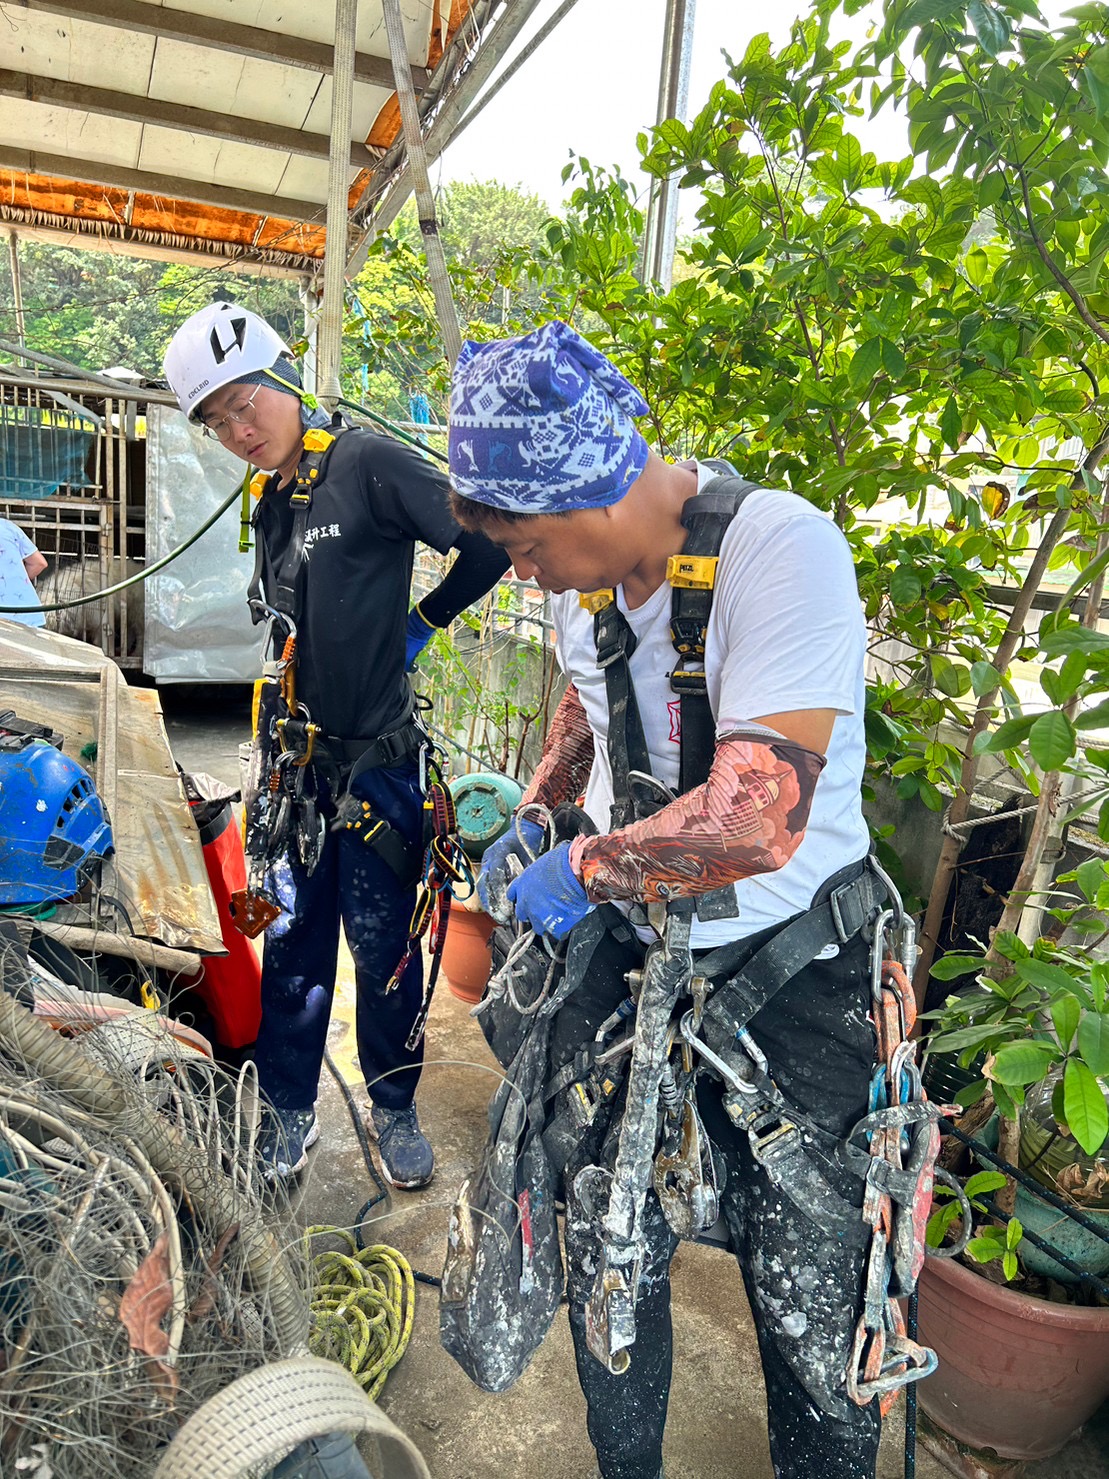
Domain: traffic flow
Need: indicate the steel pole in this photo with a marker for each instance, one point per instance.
(330, 334)
(661, 233)
(17, 289)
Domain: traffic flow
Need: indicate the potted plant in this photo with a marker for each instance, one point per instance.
(1020, 1368)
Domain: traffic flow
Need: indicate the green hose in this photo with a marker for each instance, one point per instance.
(142, 574)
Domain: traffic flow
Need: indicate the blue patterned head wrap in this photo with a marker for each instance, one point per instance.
(543, 424)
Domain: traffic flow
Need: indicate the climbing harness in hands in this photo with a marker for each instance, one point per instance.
(445, 867)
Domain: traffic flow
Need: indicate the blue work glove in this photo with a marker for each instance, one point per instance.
(522, 841)
(549, 896)
(417, 634)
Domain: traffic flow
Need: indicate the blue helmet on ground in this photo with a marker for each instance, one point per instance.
(54, 831)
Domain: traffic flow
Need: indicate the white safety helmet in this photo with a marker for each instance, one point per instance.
(217, 345)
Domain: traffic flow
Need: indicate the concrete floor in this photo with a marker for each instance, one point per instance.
(717, 1425)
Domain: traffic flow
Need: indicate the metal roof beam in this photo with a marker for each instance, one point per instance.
(202, 30)
(170, 187)
(107, 104)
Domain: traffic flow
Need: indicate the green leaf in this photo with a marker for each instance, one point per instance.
(951, 423)
(893, 361)
(905, 587)
(1065, 1013)
(1090, 876)
(1006, 736)
(984, 677)
(1085, 1107)
(954, 964)
(977, 266)
(1009, 1264)
(865, 363)
(970, 1094)
(1046, 976)
(1023, 1062)
(1094, 718)
(1093, 1042)
(1051, 740)
(991, 26)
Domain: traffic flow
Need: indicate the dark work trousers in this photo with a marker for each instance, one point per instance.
(352, 884)
(804, 1287)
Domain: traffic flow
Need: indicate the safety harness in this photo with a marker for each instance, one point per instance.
(282, 808)
(665, 1047)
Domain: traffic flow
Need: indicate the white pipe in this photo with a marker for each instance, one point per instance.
(330, 338)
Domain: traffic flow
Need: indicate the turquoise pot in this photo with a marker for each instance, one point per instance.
(484, 802)
(1083, 1248)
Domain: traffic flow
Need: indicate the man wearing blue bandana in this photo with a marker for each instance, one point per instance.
(751, 822)
(339, 513)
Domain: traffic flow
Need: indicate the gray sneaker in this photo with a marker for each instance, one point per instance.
(407, 1160)
(286, 1140)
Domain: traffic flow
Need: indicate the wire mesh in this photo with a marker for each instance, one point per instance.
(144, 1264)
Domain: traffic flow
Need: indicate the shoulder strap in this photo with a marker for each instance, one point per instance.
(285, 598)
(692, 576)
(627, 743)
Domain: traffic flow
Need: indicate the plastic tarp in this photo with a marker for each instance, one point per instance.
(42, 451)
(160, 872)
(197, 627)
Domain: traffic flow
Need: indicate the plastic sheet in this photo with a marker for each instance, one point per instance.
(56, 680)
(197, 625)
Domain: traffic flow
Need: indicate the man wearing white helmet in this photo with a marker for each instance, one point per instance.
(335, 528)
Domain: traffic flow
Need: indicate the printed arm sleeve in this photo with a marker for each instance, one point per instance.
(477, 567)
(563, 771)
(749, 817)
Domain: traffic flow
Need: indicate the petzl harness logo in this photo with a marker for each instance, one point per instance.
(220, 350)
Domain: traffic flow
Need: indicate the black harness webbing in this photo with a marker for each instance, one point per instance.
(285, 598)
(847, 902)
(342, 760)
(692, 576)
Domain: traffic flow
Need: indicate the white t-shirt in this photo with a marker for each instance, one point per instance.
(786, 632)
(15, 584)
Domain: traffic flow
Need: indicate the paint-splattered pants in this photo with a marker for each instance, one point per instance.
(804, 1288)
(354, 885)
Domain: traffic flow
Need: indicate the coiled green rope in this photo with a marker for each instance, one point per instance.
(363, 1306)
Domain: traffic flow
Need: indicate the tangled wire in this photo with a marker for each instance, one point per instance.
(143, 1266)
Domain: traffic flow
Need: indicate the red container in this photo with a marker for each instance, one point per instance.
(230, 985)
(1016, 1374)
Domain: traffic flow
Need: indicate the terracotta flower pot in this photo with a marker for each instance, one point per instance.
(1016, 1374)
(466, 959)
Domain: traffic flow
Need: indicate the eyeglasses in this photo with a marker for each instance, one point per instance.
(244, 415)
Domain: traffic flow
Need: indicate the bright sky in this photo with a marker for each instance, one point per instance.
(593, 85)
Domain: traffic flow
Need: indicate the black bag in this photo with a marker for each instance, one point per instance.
(502, 1280)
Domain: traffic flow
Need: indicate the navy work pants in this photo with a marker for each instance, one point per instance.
(356, 886)
(805, 1288)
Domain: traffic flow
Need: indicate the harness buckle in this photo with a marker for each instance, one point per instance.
(594, 601)
(852, 905)
(688, 680)
(692, 572)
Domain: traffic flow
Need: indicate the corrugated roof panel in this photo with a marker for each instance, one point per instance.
(48, 130)
(200, 77)
(368, 103)
(49, 46)
(303, 179)
(170, 152)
